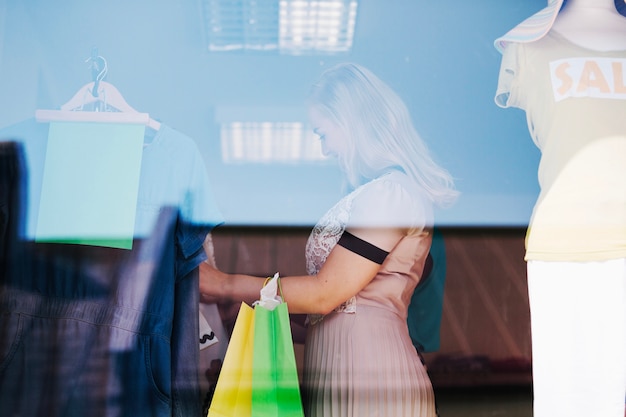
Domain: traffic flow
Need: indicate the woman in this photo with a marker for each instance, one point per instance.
(364, 257)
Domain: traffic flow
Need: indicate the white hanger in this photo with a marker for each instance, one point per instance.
(107, 103)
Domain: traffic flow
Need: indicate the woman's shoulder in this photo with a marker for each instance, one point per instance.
(396, 186)
(393, 199)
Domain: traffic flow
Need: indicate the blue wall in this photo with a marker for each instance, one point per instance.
(438, 55)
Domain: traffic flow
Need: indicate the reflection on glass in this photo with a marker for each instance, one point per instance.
(268, 142)
(317, 25)
(287, 26)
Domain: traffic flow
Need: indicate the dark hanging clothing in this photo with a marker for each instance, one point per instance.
(100, 331)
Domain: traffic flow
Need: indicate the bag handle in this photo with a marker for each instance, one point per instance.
(280, 288)
(271, 297)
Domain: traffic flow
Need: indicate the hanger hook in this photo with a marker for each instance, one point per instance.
(99, 69)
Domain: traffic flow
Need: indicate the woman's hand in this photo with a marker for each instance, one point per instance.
(213, 284)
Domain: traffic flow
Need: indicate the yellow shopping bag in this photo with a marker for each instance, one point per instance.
(233, 392)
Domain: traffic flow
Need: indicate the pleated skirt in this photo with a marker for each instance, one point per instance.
(364, 364)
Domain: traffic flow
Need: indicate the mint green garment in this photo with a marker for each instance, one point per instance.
(90, 184)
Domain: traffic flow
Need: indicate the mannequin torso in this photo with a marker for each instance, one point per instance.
(592, 24)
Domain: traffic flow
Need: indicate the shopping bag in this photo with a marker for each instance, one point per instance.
(275, 384)
(233, 391)
(259, 377)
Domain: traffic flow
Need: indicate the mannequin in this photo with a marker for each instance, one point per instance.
(592, 24)
(565, 67)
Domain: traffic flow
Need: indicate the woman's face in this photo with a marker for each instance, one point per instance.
(331, 135)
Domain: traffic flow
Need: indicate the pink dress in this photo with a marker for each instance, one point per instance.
(359, 359)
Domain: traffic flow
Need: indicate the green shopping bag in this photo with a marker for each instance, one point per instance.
(275, 384)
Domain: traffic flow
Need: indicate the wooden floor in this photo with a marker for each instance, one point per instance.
(485, 333)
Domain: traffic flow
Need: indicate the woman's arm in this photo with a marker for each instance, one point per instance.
(381, 215)
(343, 275)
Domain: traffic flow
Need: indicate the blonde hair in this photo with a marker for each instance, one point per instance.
(379, 131)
